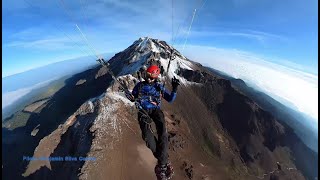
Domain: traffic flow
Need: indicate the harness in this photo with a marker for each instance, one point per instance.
(151, 98)
(145, 114)
(122, 87)
(143, 117)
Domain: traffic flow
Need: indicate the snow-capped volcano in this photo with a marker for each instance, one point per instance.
(144, 50)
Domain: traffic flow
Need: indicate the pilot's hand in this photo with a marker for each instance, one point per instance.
(175, 83)
(129, 96)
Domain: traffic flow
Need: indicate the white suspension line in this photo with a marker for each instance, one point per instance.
(183, 22)
(97, 54)
(94, 51)
(194, 13)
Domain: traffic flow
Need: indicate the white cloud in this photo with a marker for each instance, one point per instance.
(259, 36)
(59, 43)
(99, 20)
(11, 97)
(289, 86)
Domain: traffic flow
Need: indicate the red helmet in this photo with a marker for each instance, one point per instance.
(153, 71)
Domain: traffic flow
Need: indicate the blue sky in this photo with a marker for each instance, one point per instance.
(36, 33)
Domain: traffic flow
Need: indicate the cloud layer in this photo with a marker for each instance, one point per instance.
(294, 88)
(11, 97)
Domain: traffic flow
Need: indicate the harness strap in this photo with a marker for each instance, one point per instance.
(147, 123)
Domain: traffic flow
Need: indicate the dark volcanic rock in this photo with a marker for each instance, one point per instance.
(256, 132)
(288, 123)
(176, 141)
(188, 169)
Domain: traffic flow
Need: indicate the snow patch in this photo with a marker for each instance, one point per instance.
(154, 48)
(134, 65)
(143, 43)
(135, 58)
(91, 106)
(186, 64)
(187, 83)
(120, 97)
(100, 97)
(163, 47)
(107, 123)
(128, 77)
(175, 65)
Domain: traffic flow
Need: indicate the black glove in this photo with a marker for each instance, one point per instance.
(175, 84)
(161, 70)
(129, 96)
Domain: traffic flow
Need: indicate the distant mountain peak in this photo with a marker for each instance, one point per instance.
(146, 49)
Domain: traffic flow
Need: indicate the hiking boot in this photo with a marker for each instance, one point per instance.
(162, 176)
(164, 172)
(169, 171)
(160, 171)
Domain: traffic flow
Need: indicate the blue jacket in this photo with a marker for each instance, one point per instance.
(149, 95)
